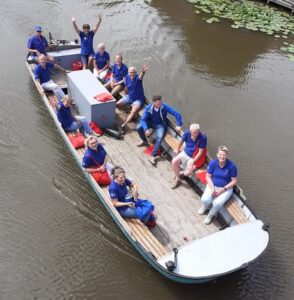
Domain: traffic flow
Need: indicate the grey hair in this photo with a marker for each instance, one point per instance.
(88, 139)
(194, 126)
(100, 45)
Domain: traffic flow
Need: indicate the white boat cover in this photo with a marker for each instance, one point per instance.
(221, 252)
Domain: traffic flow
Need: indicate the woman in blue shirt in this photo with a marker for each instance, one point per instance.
(124, 196)
(86, 36)
(221, 177)
(101, 62)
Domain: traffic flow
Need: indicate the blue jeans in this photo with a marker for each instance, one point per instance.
(159, 135)
(84, 127)
(131, 213)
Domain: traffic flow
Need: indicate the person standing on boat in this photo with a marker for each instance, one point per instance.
(68, 121)
(154, 118)
(119, 72)
(193, 156)
(101, 62)
(134, 93)
(37, 45)
(95, 161)
(221, 177)
(43, 77)
(87, 36)
(124, 196)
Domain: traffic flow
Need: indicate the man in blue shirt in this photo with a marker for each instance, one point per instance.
(221, 177)
(194, 152)
(155, 118)
(134, 93)
(43, 77)
(87, 36)
(37, 45)
(119, 72)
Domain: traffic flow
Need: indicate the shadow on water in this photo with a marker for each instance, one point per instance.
(217, 49)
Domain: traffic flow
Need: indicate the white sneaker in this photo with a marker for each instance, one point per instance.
(202, 210)
(208, 219)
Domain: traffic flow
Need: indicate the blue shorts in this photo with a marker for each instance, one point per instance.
(128, 100)
(85, 58)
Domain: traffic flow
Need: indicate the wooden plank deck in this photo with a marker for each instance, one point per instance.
(178, 221)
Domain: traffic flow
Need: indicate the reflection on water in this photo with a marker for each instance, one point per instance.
(57, 241)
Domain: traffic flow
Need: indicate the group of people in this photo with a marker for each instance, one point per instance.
(221, 174)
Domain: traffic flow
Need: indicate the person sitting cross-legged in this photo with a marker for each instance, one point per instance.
(43, 77)
(221, 177)
(195, 144)
(155, 119)
(70, 122)
(134, 93)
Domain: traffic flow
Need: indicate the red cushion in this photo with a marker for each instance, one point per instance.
(202, 176)
(102, 178)
(76, 140)
(96, 128)
(77, 65)
(202, 159)
(149, 149)
(103, 97)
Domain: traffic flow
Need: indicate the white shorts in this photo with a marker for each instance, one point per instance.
(184, 157)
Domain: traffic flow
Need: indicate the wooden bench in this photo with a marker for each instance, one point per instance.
(145, 238)
(235, 211)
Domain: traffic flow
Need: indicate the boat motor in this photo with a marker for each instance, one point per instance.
(171, 265)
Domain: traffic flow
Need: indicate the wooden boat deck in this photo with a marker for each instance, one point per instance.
(178, 221)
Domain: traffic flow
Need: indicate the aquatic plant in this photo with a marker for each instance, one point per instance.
(248, 14)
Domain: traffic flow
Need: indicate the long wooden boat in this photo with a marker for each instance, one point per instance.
(181, 247)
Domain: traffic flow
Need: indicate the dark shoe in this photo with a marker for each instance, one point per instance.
(122, 129)
(151, 224)
(143, 144)
(175, 184)
(151, 159)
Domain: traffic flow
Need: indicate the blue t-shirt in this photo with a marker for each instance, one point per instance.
(119, 192)
(135, 88)
(93, 157)
(101, 60)
(191, 145)
(119, 73)
(38, 43)
(222, 176)
(43, 74)
(87, 43)
(64, 115)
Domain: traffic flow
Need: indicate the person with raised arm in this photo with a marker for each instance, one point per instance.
(86, 36)
(37, 45)
(119, 72)
(134, 93)
(193, 156)
(43, 77)
(221, 177)
(155, 119)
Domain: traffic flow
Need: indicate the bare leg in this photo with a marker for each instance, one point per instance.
(176, 167)
(117, 89)
(135, 109)
(90, 63)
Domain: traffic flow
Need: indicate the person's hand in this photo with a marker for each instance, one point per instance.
(148, 132)
(213, 193)
(38, 53)
(145, 68)
(190, 162)
(73, 19)
(178, 129)
(42, 92)
(131, 204)
(100, 17)
(135, 195)
(102, 168)
(176, 151)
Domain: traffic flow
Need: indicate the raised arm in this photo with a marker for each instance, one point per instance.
(74, 24)
(143, 71)
(95, 28)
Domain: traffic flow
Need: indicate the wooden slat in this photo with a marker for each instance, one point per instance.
(235, 211)
(146, 238)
